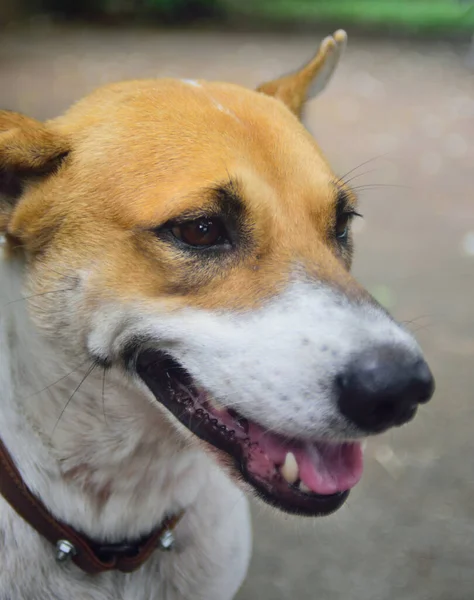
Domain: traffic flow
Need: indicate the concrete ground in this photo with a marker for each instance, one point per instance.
(407, 531)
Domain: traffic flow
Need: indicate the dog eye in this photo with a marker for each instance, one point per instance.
(201, 233)
(342, 224)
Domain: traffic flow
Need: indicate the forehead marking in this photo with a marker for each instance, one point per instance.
(225, 110)
(192, 82)
(218, 105)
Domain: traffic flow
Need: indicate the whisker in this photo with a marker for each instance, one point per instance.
(36, 295)
(181, 414)
(103, 396)
(57, 381)
(75, 278)
(381, 185)
(366, 162)
(88, 372)
(410, 321)
(347, 181)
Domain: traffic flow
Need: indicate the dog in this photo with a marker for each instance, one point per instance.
(178, 326)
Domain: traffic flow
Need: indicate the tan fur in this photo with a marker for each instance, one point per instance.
(140, 173)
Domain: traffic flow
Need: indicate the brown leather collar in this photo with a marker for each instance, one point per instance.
(91, 557)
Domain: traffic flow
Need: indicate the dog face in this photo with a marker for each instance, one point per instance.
(193, 235)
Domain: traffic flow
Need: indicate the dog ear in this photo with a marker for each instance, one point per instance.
(298, 87)
(28, 150)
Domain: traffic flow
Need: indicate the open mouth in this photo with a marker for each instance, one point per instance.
(297, 476)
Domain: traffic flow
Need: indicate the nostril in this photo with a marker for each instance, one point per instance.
(392, 412)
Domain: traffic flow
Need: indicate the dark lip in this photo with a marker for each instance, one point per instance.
(152, 366)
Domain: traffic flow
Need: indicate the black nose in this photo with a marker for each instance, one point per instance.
(382, 388)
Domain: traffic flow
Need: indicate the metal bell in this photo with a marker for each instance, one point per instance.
(64, 551)
(167, 540)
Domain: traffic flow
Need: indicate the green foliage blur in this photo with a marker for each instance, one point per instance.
(409, 15)
(412, 16)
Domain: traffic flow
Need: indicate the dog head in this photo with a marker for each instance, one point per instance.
(193, 235)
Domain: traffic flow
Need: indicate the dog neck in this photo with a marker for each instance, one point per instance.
(97, 453)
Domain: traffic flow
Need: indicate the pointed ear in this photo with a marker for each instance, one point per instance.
(298, 87)
(28, 150)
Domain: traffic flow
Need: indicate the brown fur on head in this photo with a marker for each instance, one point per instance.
(134, 156)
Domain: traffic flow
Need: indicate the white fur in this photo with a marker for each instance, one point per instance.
(147, 468)
(192, 82)
(276, 364)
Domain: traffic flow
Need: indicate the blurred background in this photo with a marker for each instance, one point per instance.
(400, 115)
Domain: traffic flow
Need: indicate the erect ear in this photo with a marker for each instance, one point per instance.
(298, 87)
(28, 150)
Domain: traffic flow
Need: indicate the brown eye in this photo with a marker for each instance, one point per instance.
(343, 222)
(342, 226)
(201, 233)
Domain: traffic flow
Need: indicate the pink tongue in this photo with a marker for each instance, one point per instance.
(324, 468)
(329, 468)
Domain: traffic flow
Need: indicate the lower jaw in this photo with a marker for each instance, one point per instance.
(306, 505)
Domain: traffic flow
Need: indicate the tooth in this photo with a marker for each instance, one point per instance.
(289, 469)
(304, 488)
